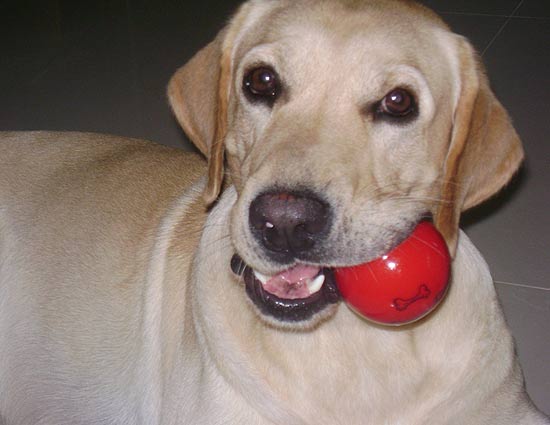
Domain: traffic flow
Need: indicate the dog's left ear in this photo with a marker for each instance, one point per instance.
(199, 93)
(485, 151)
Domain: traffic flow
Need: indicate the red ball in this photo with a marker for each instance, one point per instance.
(402, 286)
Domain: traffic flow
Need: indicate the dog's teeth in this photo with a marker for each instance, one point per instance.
(315, 284)
(262, 278)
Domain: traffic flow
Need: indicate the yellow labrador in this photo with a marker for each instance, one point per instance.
(341, 124)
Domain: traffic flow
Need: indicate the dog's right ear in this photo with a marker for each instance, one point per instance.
(199, 93)
(193, 95)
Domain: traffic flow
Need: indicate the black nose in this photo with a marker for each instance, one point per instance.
(289, 223)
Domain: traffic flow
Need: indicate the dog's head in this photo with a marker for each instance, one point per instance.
(342, 124)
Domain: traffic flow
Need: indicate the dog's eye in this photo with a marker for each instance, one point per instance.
(262, 84)
(397, 103)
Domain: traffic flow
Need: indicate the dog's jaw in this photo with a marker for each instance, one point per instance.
(301, 296)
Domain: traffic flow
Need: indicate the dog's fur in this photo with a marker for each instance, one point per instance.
(117, 301)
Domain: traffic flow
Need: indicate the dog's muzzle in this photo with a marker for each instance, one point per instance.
(290, 228)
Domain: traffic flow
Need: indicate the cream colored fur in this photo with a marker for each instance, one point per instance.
(117, 302)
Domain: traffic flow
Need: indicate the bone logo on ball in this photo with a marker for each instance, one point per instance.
(402, 286)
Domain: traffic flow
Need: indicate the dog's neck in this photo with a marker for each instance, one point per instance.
(345, 363)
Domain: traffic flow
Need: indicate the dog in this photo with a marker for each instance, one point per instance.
(133, 276)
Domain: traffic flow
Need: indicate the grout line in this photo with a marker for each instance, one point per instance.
(486, 15)
(519, 285)
(540, 18)
(502, 28)
(516, 9)
(489, 15)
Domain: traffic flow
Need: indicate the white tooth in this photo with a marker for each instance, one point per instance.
(315, 284)
(262, 278)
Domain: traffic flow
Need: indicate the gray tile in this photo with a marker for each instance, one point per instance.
(36, 32)
(513, 231)
(479, 29)
(534, 8)
(28, 42)
(101, 68)
(92, 86)
(527, 313)
(491, 7)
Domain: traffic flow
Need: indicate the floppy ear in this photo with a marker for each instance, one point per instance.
(193, 92)
(199, 94)
(485, 151)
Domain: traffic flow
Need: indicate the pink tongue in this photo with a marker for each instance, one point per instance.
(292, 283)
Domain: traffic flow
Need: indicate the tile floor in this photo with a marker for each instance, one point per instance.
(103, 65)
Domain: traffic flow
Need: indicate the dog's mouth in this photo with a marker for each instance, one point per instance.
(293, 295)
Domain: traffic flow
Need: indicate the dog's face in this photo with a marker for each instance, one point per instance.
(344, 123)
